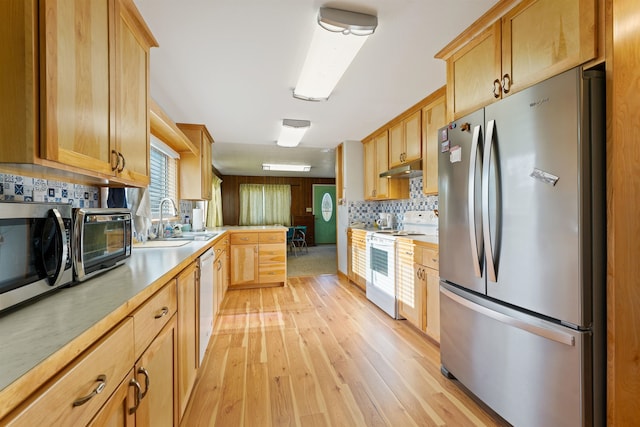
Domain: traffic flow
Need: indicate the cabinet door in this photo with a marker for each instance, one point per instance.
(472, 72)
(410, 301)
(433, 303)
(75, 97)
(543, 38)
(370, 167)
(382, 165)
(396, 145)
(158, 407)
(434, 116)
(188, 315)
(131, 98)
(412, 137)
(195, 169)
(244, 264)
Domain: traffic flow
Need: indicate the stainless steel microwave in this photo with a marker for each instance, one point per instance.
(35, 250)
(101, 240)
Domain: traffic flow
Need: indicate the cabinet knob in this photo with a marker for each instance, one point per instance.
(114, 157)
(121, 168)
(506, 83)
(496, 88)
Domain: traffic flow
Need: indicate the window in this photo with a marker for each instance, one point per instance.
(265, 204)
(164, 178)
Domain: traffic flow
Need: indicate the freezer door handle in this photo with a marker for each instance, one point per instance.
(551, 334)
(486, 232)
(472, 202)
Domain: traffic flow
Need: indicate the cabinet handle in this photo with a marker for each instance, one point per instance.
(114, 154)
(136, 395)
(163, 312)
(144, 372)
(123, 162)
(506, 83)
(102, 383)
(496, 88)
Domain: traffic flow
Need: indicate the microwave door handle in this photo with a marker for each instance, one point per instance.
(472, 201)
(486, 166)
(63, 241)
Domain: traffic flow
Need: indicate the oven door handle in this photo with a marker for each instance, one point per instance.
(62, 239)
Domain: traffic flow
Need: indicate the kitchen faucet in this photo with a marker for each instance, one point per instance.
(160, 227)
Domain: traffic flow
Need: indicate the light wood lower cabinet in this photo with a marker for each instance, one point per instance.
(258, 258)
(426, 274)
(410, 291)
(158, 363)
(221, 274)
(188, 322)
(357, 258)
(77, 393)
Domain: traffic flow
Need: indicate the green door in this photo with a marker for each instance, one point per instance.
(324, 209)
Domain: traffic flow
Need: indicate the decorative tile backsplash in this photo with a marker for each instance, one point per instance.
(367, 211)
(27, 189)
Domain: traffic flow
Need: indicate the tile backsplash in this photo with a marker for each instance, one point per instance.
(26, 189)
(367, 211)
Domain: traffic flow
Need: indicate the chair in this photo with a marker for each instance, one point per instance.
(299, 239)
(290, 245)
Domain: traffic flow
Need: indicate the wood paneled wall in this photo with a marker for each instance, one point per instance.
(301, 193)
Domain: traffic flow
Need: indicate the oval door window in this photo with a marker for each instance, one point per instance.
(327, 207)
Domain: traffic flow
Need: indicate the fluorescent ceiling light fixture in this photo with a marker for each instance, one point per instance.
(285, 167)
(337, 39)
(292, 132)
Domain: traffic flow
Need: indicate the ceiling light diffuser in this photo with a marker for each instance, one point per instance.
(285, 167)
(336, 40)
(292, 132)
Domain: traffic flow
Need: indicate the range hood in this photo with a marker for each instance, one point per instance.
(410, 170)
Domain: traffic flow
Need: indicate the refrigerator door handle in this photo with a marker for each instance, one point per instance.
(472, 201)
(486, 166)
(557, 336)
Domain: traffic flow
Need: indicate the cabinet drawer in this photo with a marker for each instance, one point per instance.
(427, 257)
(220, 247)
(272, 273)
(244, 238)
(149, 319)
(270, 253)
(273, 237)
(102, 368)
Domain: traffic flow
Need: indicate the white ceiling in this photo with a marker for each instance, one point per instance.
(232, 65)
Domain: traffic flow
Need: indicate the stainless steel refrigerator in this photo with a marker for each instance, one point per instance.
(522, 252)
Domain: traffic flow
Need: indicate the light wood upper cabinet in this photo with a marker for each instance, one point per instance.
(196, 169)
(74, 84)
(518, 47)
(472, 72)
(405, 140)
(131, 94)
(75, 96)
(543, 38)
(382, 164)
(434, 116)
(376, 160)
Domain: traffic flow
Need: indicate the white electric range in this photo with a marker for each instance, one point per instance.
(381, 254)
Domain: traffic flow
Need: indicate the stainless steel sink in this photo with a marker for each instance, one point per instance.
(192, 235)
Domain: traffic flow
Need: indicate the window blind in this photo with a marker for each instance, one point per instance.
(163, 182)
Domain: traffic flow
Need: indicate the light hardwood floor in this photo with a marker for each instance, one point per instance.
(318, 353)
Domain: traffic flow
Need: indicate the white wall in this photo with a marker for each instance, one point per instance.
(353, 189)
